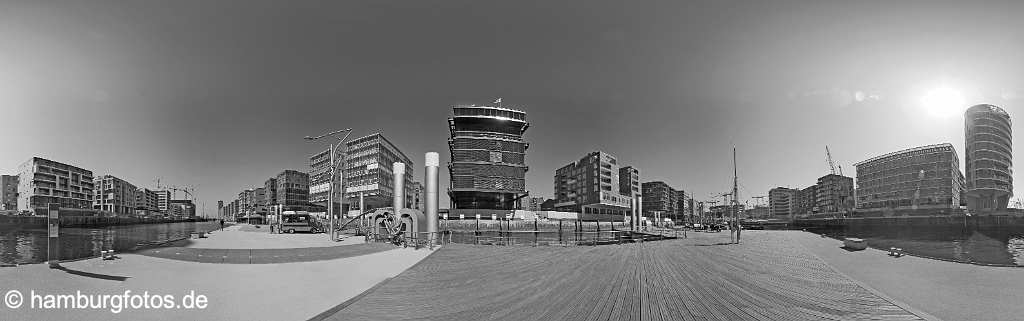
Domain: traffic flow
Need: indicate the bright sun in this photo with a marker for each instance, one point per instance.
(944, 102)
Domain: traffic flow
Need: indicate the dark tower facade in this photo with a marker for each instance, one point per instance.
(488, 157)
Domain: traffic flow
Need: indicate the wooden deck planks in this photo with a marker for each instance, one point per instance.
(664, 280)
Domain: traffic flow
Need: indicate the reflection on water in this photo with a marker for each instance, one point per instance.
(979, 245)
(21, 246)
(1016, 246)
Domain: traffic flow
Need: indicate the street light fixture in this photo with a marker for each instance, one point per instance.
(334, 169)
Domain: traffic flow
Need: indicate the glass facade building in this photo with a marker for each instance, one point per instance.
(488, 158)
(369, 164)
(917, 178)
(988, 158)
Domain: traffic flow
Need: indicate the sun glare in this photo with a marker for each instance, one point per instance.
(944, 102)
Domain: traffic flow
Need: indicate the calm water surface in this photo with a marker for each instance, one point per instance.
(1003, 246)
(19, 245)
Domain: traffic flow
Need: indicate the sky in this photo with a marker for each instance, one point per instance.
(218, 94)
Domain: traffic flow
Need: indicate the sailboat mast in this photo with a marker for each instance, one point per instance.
(735, 182)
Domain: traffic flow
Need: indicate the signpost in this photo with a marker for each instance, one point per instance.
(53, 233)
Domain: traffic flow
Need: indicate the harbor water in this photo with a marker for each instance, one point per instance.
(19, 245)
(983, 245)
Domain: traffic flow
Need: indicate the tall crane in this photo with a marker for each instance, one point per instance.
(832, 165)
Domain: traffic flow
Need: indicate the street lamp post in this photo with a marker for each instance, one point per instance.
(334, 170)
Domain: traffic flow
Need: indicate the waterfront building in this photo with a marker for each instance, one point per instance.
(661, 198)
(834, 193)
(246, 202)
(806, 200)
(368, 171)
(684, 205)
(233, 212)
(759, 211)
(417, 196)
(783, 201)
(114, 195)
(319, 177)
(183, 208)
(8, 192)
(292, 190)
(548, 205)
(147, 201)
(270, 192)
(726, 211)
(926, 177)
(629, 181)
(163, 200)
(42, 182)
(488, 158)
(591, 186)
(988, 158)
(534, 203)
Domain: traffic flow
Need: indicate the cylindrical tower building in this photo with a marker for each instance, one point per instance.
(488, 168)
(989, 181)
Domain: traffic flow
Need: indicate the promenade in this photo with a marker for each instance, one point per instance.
(699, 278)
(296, 287)
(772, 275)
(950, 290)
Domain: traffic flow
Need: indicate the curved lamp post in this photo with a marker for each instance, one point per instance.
(334, 170)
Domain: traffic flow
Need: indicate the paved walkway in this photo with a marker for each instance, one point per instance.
(244, 236)
(949, 290)
(264, 256)
(691, 279)
(244, 244)
(293, 291)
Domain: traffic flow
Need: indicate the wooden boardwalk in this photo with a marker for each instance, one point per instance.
(665, 280)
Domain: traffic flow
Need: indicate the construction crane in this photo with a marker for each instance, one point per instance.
(831, 164)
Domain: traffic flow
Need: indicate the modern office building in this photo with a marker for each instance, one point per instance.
(659, 199)
(534, 203)
(684, 205)
(629, 181)
(783, 201)
(806, 200)
(42, 182)
(926, 177)
(247, 202)
(417, 196)
(758, 211)
(369, 171)
(114, 195)
(834, 193)
(988, 158)
(146, 200)
(591, 186)
(319, 177)
(183, 209)
(163, 200)
(727, 211)
(270, 192)
(292, 190)
(8, 192)
(488, 163)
